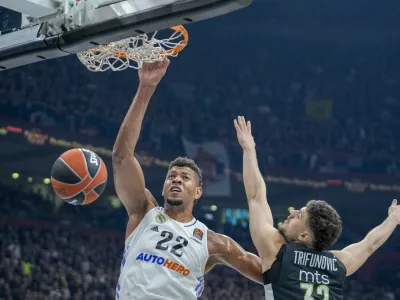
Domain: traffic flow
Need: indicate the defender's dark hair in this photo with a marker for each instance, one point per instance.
(187, 162)
(325, 224)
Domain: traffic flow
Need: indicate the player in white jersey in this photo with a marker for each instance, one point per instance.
(167, 251)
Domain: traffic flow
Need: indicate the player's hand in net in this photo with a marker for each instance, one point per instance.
(243, 132)
(150, 74)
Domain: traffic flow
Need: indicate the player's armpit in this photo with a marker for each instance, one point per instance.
(211, 263)
(353, 256)
(224, 250)
(130, 186)
(135, 219)
(266, 238)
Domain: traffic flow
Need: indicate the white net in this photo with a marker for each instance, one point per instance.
(133, 52)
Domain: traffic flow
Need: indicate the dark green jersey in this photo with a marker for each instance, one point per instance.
(301, 273)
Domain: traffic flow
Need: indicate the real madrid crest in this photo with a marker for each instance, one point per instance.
(160, 218)
(198, 234)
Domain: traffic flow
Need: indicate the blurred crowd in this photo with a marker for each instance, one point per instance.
(313, 106)
(56, 260)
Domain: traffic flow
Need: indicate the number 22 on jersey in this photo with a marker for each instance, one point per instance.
(168, 236)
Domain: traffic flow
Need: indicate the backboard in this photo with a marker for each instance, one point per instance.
(56, 28)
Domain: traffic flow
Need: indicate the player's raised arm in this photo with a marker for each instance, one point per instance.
(265, 237)
(355, 255)
(128, 175)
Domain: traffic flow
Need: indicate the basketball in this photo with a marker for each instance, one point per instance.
(79, 176)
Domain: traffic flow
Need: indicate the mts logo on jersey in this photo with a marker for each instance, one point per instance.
(315, 262)
(161, 261)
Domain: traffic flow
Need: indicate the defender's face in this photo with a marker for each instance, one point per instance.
(295, 226)
(180, 186)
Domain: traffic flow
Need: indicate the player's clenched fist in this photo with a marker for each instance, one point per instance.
(151, 73)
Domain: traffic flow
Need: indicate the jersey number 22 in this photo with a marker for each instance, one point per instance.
(168, 236)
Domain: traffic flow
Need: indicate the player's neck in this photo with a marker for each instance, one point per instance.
(179, 214)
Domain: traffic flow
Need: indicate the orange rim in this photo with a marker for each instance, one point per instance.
(178, 48)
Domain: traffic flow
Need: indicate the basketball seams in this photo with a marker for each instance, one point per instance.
(84, 159)
(94, 177)
(72, 170)
(98, 169)
(71, 184)
(86, 198)
(80, 191)
(105, 180)
(83, 189)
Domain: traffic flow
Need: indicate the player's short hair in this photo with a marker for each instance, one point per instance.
(189, 163)
(325, 224)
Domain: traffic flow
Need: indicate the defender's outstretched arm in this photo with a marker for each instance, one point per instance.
(265, 237)
(128, 175)
(355, 255)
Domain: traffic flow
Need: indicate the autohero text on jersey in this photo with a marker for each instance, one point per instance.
(314, 261)
(161, 261)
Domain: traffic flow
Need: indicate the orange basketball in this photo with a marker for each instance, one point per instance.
(79, 176)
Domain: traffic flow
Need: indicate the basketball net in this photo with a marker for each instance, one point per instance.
(133, 52)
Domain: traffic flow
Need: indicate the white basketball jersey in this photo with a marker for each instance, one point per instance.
(163, 259)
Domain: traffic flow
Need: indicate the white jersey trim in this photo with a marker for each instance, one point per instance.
(269, 293)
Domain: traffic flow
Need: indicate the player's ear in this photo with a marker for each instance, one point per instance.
(199, 192)
(304, 237)
(163, 188)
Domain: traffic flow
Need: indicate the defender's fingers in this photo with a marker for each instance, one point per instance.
(242, 122)
(235, 123)
(249, 126)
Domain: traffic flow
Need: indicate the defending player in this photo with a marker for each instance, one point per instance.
(295, 260)
(167, 251)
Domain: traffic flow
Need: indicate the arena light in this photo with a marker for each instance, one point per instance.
(209, 217)
(290, 208)
(46, 181)
(29, 179)
(15, 175)
(114, 201)
(213, 207)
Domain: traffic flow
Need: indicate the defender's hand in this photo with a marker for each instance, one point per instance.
(394, 210)
(151, 73)
(243, 131)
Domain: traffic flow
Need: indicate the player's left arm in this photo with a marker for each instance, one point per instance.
(355, 255)
(266, 238)
(224, 250)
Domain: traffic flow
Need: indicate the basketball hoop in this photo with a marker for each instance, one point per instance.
(133, 52)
